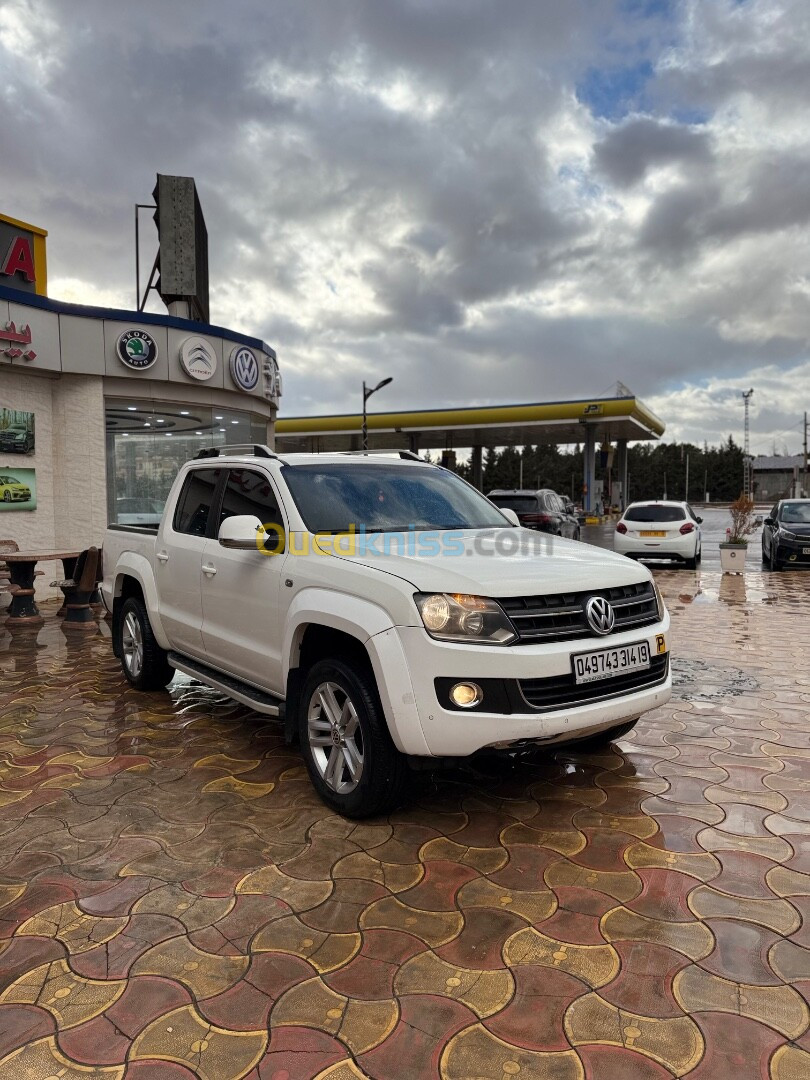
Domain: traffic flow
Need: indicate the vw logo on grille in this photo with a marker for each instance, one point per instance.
(600, 615)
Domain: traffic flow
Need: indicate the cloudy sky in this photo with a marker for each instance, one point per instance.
(507, 201)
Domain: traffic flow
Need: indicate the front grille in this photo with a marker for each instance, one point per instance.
(561, 690)
(561, 616)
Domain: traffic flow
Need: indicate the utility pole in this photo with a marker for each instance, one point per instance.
(686, 485)
(748, 486)
(805, 454)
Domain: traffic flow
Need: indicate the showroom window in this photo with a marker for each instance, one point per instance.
(148, 441)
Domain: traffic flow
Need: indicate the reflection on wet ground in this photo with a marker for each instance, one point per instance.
(175, 901)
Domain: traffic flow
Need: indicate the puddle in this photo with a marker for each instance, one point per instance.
(697, 680)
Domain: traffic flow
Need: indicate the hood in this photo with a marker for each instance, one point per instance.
(489, 562)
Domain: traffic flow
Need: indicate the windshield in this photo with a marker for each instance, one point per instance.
(653, 512)
(386, 498)
(796, 513)
(521, 504)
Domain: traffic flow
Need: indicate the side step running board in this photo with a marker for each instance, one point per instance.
(249, 695)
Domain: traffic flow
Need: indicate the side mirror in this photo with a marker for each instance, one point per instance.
(699, 520)
(243, 532)
(769, 520)
(510, 515)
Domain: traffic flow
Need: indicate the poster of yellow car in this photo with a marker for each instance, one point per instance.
(18, 489)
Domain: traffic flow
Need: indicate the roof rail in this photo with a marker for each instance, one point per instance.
(248, 449)
(406, 455)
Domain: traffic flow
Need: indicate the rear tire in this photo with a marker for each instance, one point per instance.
(349, 754)
(144, 663)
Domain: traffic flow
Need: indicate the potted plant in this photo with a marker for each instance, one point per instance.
(743, 523)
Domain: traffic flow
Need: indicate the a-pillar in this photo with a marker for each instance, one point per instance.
(621, 468)
(477, 462)
(589, 468)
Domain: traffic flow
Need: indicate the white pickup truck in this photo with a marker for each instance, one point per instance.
(386, 611)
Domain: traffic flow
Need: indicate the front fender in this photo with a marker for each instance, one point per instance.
(131, 564)
(371, 625)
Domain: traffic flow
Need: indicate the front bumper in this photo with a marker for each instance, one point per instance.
(454, 733)
(791, 552)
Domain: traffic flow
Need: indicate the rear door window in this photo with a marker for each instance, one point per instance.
(194, 503)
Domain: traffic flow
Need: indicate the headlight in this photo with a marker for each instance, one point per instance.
(662, 609)
(786, 534)
(456, 617)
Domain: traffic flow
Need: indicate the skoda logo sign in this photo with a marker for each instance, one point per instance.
(600, 615)
(198, 359)
(244, 368)
(137, 349)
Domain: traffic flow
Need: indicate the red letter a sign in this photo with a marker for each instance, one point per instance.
(20, 259)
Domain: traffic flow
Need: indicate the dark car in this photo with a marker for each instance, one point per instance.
(542, 510)
(786, 534)
(16, 438)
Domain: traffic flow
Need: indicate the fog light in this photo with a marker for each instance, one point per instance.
(466, 695)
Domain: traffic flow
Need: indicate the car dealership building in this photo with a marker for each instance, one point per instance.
(99, 407)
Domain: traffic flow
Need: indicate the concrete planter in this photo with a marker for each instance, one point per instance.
(732, 558)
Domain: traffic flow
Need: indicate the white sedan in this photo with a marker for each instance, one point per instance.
(659, 530)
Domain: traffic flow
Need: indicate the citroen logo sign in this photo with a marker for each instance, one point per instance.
(600, 615)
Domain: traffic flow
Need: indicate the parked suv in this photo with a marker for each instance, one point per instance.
(386, 611)
(543, 510)
(786, 534)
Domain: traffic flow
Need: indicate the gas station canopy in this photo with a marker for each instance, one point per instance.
(607, 419)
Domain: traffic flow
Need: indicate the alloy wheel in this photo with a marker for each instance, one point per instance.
(335, 737)
(132, 644)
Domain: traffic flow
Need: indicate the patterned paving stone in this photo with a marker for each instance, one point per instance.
(175, 902)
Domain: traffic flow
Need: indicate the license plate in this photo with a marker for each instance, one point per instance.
(805, 551)
(607, 663)
(649, 532)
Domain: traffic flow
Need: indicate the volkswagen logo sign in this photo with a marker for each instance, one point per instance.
(600, 615)
(136, 349)
(198, 359)
(244, 368)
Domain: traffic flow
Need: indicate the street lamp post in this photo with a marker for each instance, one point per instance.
(367, 392)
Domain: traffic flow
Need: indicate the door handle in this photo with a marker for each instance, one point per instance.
(163, 556)
(210, 570)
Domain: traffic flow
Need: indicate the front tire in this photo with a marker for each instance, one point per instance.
(351, 759)
(144, 663)
(773, 559)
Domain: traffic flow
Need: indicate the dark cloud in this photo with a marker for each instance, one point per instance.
(628, 152)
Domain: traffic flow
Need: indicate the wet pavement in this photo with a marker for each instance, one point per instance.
(176, 902)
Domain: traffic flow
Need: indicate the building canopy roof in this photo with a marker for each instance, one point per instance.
(489, 426)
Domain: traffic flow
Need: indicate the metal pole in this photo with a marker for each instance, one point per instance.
(137, 264)
(520, 484)
(805, 453)
(365, 424)
(686, 485)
